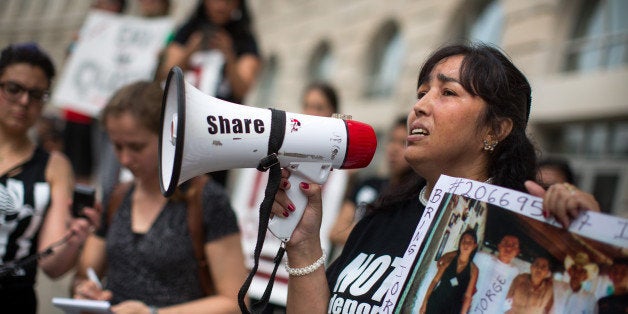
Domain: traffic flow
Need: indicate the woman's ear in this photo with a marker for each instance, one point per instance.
(503, 128)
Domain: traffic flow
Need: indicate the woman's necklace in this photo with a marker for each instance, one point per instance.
(423, 197)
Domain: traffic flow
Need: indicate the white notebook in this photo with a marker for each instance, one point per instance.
(72, 306)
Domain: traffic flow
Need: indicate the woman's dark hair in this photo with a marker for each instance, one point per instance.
(240, 26)
(29, 53)
(328, 90)
(561, 165)
(472, 234)
(486, 72)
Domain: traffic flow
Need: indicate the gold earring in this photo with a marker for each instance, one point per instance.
(489, 145)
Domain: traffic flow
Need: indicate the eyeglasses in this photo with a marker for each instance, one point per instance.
(13, 92)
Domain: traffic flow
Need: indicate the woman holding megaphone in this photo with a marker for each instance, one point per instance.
(469, 121)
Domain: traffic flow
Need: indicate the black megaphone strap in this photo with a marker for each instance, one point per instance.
(271, 163)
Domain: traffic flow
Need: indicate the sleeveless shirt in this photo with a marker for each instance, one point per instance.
(24, 200)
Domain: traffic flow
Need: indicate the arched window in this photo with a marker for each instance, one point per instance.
(480, 20)
(489, 24)
(599, 37)
(321, 63)
(267, 82)
(385, 61)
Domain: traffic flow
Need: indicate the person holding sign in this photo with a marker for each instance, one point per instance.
(148, 245)
(469, 121)
(35, 185)
(223, 27)
(218, 52)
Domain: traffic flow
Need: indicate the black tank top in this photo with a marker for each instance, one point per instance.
(24, 200)
(447, 297)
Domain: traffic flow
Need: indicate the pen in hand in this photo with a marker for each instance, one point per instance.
(91, 274)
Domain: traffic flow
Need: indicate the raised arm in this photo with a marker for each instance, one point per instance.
(59, 223)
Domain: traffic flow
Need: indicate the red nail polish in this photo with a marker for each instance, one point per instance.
(285, 213)
(285, 184)
(305, 185)
(291, 207)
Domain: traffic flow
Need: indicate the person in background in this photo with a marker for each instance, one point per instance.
(154, 8)
(572, 297)
(617, 302)
(532, 292)
(143, 247)
(367, 191)
(320, 99)
(554, 170)
(35, 185)
(469, 121)
(81, 130)
(49, 133)
(496, 275)
(222, 26)
(453, 285)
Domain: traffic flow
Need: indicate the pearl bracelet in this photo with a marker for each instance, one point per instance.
(307, 269)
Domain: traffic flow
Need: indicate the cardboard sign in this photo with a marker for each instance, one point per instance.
(112, 51)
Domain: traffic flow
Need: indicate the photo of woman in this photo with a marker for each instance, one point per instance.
(452, 288)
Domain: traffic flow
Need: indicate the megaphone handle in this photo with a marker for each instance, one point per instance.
(282, 227)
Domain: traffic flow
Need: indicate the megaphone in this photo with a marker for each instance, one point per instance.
(202, 134)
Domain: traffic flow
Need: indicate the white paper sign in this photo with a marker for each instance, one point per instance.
(112, 51)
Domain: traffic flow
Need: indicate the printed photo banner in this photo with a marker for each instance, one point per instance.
(113, 50)
(459, 205)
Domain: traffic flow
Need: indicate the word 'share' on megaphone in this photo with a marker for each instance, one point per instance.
(202, 134)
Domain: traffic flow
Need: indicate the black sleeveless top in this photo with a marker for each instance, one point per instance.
(447, 296)
(24, 201)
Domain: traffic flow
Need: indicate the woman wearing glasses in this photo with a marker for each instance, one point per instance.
(35, 186)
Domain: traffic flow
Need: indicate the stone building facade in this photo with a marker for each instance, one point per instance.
(574, 53)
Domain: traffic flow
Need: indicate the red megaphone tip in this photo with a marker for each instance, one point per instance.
(362, 143)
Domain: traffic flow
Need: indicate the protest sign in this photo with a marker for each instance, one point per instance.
(112, 50)
(493, 213)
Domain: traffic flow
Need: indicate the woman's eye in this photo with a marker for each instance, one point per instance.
(449, 92)
(420, 95)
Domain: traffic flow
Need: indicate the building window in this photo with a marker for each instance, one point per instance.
(588, 139)
(599, 38)
(321, 63)
(480, 21)
(384, 61)
(488, 27)
(599, 152)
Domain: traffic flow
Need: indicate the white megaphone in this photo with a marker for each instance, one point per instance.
(202, 134)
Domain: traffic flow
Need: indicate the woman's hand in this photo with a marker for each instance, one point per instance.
(90, 290)
(308, 229)
(563, 201)
(221, 40)
(82, 227)
(131, 307)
